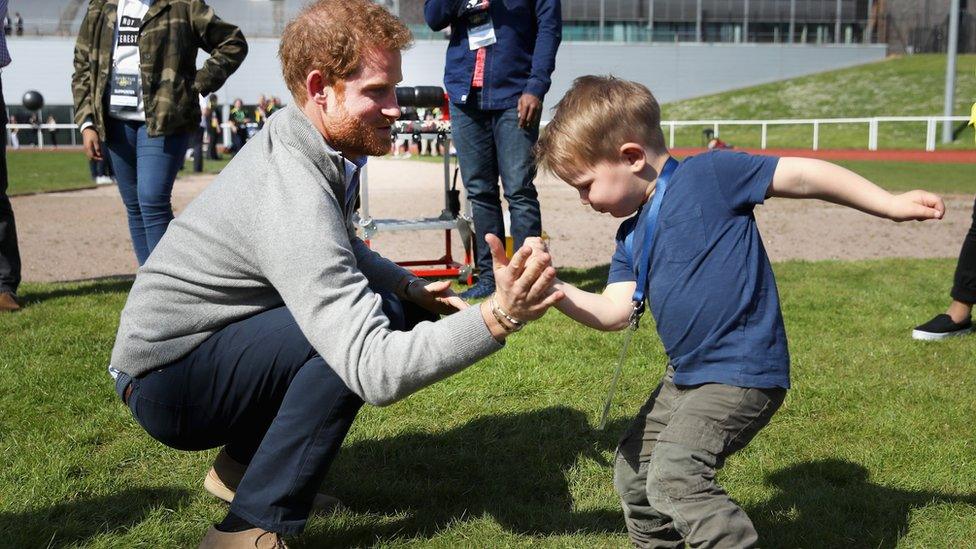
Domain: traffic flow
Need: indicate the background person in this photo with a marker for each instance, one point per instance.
(9, 252)
(499, 64)
(214, 130)
(122, 51)
(52, 132)
(238, 119)
(12, 133)
(957, 320)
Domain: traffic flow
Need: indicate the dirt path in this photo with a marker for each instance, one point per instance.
(83, 234)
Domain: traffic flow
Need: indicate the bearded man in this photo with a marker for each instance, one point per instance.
(261, 323)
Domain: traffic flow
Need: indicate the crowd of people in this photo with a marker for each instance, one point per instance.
(268, 254)
(14, 25)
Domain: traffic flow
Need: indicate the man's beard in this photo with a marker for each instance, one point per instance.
(352, 136)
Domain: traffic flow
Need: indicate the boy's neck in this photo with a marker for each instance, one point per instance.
(652, 170)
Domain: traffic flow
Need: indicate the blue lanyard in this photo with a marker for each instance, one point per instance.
(643, 265)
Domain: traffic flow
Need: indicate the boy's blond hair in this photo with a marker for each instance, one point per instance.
(596, 116)
(332, 36)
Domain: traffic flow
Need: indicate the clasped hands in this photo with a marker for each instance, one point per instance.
(523, 286)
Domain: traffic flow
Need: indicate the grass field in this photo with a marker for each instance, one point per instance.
(874, 446)
(904, 86)
(31, 171)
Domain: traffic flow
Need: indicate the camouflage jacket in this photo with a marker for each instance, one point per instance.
(171, 33)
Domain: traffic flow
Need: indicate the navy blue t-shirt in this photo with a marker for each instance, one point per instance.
(711, 287)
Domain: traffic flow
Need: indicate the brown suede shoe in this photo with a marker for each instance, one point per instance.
(248, 539)
(226, 474)
(8, 303)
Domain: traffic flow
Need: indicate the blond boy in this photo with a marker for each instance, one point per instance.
(692, 236)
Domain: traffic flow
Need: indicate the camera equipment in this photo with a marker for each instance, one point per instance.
(423, 97)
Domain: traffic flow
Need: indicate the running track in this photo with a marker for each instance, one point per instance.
(949, 157)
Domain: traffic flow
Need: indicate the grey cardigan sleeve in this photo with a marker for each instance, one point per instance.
(308, 258)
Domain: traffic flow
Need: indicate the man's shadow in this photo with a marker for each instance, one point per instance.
(73, 523)
(513, 468)
(75, 288)
(832, 503)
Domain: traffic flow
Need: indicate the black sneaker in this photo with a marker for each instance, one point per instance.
(481, 290)
(942, 327)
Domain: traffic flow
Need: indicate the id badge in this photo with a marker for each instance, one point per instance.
(124, 92)
(481, 32)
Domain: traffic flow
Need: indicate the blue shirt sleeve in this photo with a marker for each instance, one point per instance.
(743, 178)
(622, 265)
(440, 13)
(549, 21)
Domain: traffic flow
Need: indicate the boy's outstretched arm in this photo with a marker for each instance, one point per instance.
(608, 311)
(810, 178)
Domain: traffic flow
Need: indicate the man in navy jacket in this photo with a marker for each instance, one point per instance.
(499, 61)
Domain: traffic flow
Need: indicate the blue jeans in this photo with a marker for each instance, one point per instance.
(145, 168)
(258, 388)
(490, 144)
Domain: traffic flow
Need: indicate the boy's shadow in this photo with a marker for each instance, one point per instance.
(76, 522)
(512, 468)
(832, 503)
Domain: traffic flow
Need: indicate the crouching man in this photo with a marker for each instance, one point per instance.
(261, 323)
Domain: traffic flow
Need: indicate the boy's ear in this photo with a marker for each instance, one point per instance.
(634, 156)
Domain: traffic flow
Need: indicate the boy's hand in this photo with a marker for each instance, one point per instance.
(537, 244)
(522, 284)
(916, 205)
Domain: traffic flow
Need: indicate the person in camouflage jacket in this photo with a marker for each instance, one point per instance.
(169, 85)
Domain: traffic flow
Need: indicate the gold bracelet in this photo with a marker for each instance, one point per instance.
(509, 329)
(506, 320)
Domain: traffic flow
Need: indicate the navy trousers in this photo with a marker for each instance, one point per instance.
(258, 388)
(9, 252)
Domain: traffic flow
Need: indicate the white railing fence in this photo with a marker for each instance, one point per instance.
(815, 124)
(873, 126)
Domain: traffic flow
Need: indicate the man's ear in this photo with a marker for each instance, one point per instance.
(634, 156)
(317, 89)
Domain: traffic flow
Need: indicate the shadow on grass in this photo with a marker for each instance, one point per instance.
(512, 468)
(832, 503)
(75, 522)
(90, 286)
(593, 279)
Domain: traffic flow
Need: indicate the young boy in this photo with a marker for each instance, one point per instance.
(710, 288)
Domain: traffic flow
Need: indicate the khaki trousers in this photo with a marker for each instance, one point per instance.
(667, 460)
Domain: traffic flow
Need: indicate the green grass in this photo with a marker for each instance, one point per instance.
(905, 176)
(904, 86)
(874, 446)
(32, 171)
(44, 171)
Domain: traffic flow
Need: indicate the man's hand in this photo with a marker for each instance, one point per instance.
(529, 110)
(522, 285)
(93, 146)
(436, 297)
(915, 205)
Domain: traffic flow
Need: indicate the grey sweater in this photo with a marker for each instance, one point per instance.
(270, 230)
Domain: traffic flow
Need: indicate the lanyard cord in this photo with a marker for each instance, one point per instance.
(643, 263)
